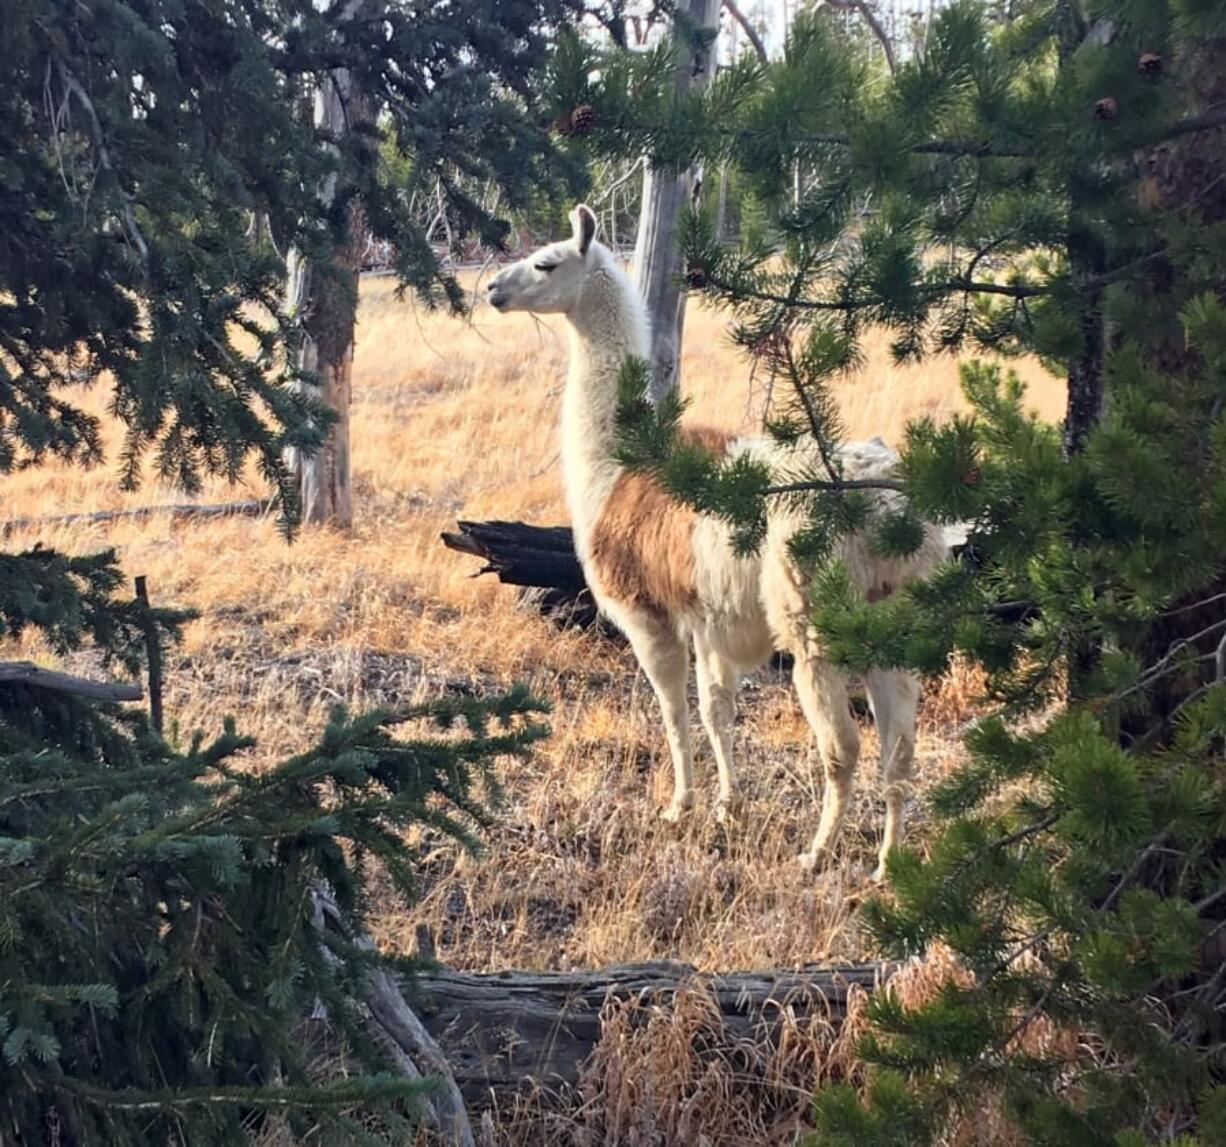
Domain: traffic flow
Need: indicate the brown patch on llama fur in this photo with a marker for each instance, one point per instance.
(641, 551)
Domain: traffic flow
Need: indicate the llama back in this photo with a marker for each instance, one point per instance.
(875, 576)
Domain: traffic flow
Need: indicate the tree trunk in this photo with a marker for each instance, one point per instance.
(323, 300)
(500, 1030)
(1183, 179)
(657, 256)
(721, 210)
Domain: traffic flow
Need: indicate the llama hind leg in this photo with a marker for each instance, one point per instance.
(823, 697)
(717, 680)
(665, 660)
(895, 699)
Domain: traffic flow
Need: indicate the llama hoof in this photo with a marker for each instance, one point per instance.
(811, 861)
(877, 876)
(676, 811)
(728, 809)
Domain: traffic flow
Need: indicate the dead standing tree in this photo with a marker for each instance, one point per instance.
(657, 254)
(322, 299)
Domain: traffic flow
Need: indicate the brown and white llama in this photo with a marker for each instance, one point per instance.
(668, 576)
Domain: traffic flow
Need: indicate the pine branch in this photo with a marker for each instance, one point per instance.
(844, 484)
(72, 84)
(1027, 831)
(1209, 120)
(1132, 872)
(953, 148)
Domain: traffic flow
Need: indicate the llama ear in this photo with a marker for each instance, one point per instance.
(583, 220)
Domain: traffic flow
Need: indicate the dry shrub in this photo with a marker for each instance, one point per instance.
(958, 695)
(670, 1072)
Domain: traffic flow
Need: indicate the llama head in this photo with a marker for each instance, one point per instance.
(550, 280)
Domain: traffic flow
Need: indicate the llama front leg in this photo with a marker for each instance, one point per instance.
(895, 700)
(665, 661)
(717, 680)
(823, 697)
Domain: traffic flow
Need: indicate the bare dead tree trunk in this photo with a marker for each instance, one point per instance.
(750, 31)
(323, 300)
(868, 13)
(657, 255)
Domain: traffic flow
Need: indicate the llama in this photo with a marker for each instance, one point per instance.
(668, 576)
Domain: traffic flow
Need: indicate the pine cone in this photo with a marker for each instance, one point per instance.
(582, 120)
(1150, 64)
(577, 121)
(1107, 108)
(972, 477)
(696, 278)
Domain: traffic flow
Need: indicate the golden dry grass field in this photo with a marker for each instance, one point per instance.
(459, 419)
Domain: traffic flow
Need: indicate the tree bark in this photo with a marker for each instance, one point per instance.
(323, 300)
(538, 559)
(1182, 178)
(500, 1030)
(657, 256)
(27, 673)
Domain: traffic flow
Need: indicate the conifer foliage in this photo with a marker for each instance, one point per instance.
(159, 955)
(1045, 184)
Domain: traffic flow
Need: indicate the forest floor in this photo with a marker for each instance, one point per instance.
(458, 419)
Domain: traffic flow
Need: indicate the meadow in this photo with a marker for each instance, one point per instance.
(458, 419)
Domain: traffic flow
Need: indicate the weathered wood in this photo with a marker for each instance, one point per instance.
(401, 1025)
(520, 554)
(249, 508)
(502, 1030)
(399, 1030)
(323, 300)
(538, 559)
(153, 653)
(657, 254)
(27, 673)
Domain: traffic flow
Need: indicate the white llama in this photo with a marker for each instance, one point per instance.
(666, 575)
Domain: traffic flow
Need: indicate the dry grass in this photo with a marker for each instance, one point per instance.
(460, 420)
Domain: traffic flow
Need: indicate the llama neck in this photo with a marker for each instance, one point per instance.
(607, 326)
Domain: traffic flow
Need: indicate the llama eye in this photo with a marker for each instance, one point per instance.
(545, 266)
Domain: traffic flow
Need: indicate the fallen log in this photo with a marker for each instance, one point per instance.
(178, 510)
(27, 673)
(502, 1030)
(540, 560)
(400, 1031)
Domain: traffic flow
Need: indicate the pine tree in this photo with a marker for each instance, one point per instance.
(1051, 185)
(158, 953)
